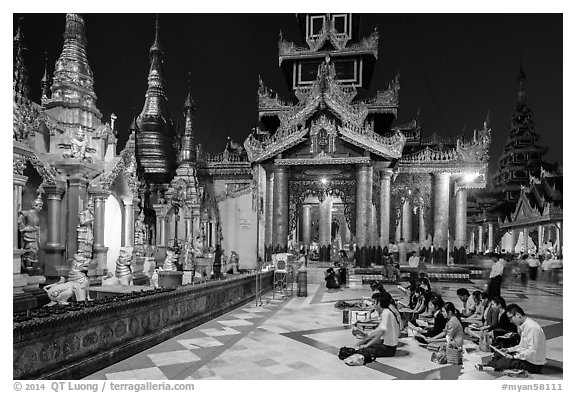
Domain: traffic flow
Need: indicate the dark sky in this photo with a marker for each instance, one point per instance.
(454, 67)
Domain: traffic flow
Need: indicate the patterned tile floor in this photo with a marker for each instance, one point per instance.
(298, 338)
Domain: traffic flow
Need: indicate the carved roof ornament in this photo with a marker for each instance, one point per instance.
(477, 149)
(49, 174)
(340, 42)
(124, 163)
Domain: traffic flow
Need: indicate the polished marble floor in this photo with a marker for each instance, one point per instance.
(298, 338)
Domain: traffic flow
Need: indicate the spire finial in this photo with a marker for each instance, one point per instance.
(521, 79)
(487, 121)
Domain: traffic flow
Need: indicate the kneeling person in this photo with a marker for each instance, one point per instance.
(382, 341)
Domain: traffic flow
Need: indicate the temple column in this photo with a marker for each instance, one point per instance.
(19, 279)
(406, 221)
(490, 237)
(214, 233)
(421, 225)
(559, 238)
(306, 224)
(525, 235)
(97, 266)
(269, 208)
(18, 181)
(345, 231)
(385, 177)
(55, 265)
(441, 209)
(128, 240)
(398, 232)
(280, 215)
(325, 226)
(76, 192)
(480, 246)
(540, 239)
(363, 201)
(188, 225)
(460, 212)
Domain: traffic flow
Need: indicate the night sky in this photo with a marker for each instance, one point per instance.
(454, 67)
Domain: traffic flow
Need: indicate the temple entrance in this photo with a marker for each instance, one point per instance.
(112, 231)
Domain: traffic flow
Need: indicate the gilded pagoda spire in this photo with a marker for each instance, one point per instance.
(20, 82)
(45, 81)
(522, 116)
(73, 83)
(187, 149)
(156, 103)
(156, 140)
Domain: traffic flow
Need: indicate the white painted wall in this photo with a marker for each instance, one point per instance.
(112, 231)
(239, 229)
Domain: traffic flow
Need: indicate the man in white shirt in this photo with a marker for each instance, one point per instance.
(383, 340)
(534, 264)
(496, 273)
(530, 354)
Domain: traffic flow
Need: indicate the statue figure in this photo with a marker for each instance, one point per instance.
(189, 254)
(85, 230)
(78, 145)
(78, 284)
(170, 261)
(123, 271)
(29, 227)
(139, 233)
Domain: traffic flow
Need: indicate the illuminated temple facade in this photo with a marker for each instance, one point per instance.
(328, 167)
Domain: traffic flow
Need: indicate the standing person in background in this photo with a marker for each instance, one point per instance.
(393, 250)
(402, 251)
(533, 264)
(495, 283)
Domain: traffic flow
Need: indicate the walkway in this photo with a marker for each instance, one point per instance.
(298, 338)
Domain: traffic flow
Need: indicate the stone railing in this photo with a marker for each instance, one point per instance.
(78, 343)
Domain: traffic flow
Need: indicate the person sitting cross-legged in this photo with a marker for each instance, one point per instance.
(529, 354)
(382, 341)
(435, 307)
(453, 331)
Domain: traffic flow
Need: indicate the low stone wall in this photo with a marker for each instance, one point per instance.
(76, 344)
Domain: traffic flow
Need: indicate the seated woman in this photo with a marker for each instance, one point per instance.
(382, 341)
(435, 306)
(330, 277)
(453, 332)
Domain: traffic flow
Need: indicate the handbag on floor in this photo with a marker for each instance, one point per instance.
(355, 360)
(346, 352)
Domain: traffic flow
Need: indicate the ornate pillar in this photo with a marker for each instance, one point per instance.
(19, 279)
(559, 238)
(128, 240)
(306, 224)
(76, 192)
(540, 239)
(363, 201)
(214, 233)
(325, 227)
(441, 209)
(346, 235)
(460, 212)
(188, 225)
(268, 239)
(55, 265)
(406, 221)
(480, 245)
(398, 231)
(372, 227)
(98, 265)
(421, 225)
(490, 237)
(385, 177)
(280, 216)
(525, 236)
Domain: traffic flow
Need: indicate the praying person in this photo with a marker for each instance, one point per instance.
(382, 341)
